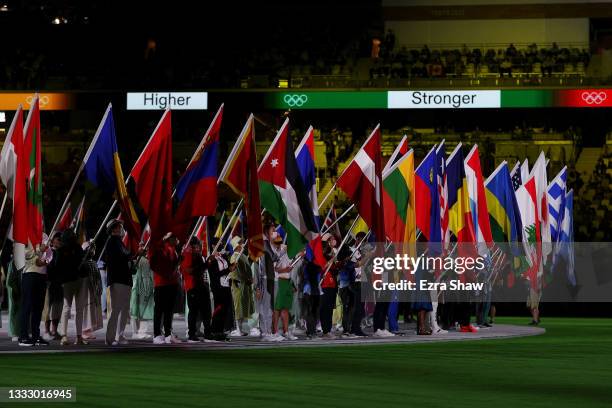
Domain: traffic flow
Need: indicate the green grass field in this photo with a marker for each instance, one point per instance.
(569, 366)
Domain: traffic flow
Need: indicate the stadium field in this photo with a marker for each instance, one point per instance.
(567, 366)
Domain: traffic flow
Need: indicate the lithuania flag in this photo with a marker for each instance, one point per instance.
(399, 200)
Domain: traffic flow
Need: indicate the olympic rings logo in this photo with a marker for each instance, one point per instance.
(295, 100)
(594, 97)
(42, 100)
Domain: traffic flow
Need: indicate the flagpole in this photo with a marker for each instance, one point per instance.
(238, 207)
(340, 246)
(129, 177)
(331, 190)
(81, 167)
(338, 219)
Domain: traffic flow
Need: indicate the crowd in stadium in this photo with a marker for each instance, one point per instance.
(435, 63)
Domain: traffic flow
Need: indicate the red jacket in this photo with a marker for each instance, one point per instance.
(164, 261)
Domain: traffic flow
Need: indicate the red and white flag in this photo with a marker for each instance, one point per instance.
(478, 199)
(362, 183)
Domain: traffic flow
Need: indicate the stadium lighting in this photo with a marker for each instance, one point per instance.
(283, 83)
(2, 117)
(4, 7)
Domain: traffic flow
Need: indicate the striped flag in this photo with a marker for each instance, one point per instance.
(556, 203)
(361, 181)
(443, 191)
(565, 247)
(305, 159)
(426, 191)
(504, 215)
(477, 197)
(283, 193)
(539, 173)
(330, 219)
(400, 150)
(399, 200)
(459, 217)
(515, 176)
(32, 151)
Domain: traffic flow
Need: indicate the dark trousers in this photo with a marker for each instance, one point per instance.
(164, 297)
(380, 315)
(346, 297)
(33, 288)
(223, 309)
(310, 309)
(357, 309)
(198, 301)
(328, 303)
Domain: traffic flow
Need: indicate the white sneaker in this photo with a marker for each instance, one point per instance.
(254, 332)
(172, 339)
(14, 339)
(379, 333)
(387, 333)
(289, 336)
(159, 340)
(299, 330)
(439, 330)
(123, 341)
(277, 337)
(47, 337)
(235, 333)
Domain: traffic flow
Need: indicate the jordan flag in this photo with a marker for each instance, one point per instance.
(362, 183)
(283, 193)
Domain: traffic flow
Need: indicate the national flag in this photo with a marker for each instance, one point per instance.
(443, 191)
(539, 173)
(525, 170)
(459, 216)
(103, 169)
(477, 197)
(526, 198)
(78, 223)
(400, 150)
(146, 234)
(196, 190)
(565, 247)
(201, 232)
(65, 220)
(515, 175)
(152, 175)
(426, 192)
(220, 226)
(14, 173)
(283, 193)
(240, 174)
(34, 193)
(556, 203)
(361, 181)
(330, 225)
(399, 200)
(305, 158)
(8, 157)
(359, 226)
(504, 214)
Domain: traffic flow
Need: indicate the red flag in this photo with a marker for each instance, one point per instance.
(362, 183)
(32, 153)
(201, 233)
(153, 176)
(66, 220)
(240, 174)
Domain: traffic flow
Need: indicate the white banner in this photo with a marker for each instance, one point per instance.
(163, 100)
(443, 99)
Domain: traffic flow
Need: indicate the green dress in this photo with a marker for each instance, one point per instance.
(141, 301)
(242, 288)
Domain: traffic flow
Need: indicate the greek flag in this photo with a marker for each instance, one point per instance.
(564, 254)
(556, 203)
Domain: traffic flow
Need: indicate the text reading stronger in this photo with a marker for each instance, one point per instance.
(455, 100)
